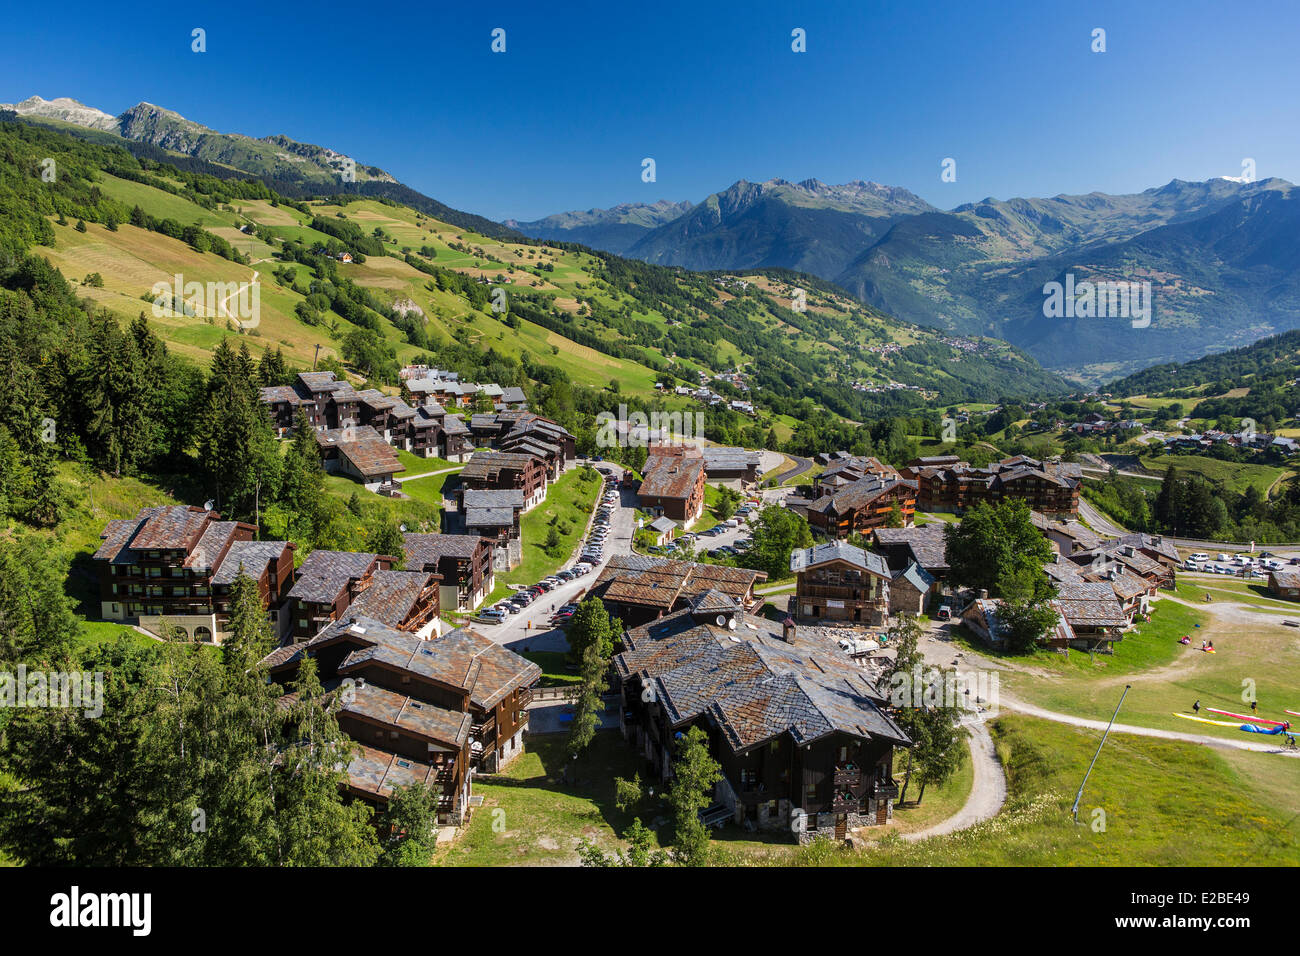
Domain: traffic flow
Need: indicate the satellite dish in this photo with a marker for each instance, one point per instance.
(401, 527)
(731, 625)
(207, 505)
(722, 621)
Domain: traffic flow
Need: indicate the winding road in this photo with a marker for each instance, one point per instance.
(988, 790)
(801, 465)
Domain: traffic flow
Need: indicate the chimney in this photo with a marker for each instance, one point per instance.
(788, 630)
(984, 594)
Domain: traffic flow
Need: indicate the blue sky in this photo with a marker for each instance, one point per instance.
(712, 91)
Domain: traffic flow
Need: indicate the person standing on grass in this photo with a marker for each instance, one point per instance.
(1196, 707)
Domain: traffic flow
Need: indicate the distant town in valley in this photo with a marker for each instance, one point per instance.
(785, 523)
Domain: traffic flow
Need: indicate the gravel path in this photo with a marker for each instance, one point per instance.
(1020, 707)
(987, 794)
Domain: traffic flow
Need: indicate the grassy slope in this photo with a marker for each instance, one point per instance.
(569, 502)
(1148, 803)
(1166, 676)
(1234, 476)
(1244, 807)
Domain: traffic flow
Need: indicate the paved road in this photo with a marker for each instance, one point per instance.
(1104, 526)
(1097, 521)
(1103, 472)
(801, 465)
(528, 629)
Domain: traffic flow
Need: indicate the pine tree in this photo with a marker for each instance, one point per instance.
(590, 703)
(411, 827)
(385, 537)
(317, 827)
(694, 774)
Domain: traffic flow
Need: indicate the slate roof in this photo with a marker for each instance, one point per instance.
(252, 556)
(916, 576)
(392, 596)
(450, 727)
(847, 470)
(193, 530)
(1083, 536)
(1287, 578)
(489, 517)
(1136, 561)
(671, 477)
(364, 447)
(513, 395)
(377, 399)
(663, 524)
(803, 559)
(453, 425)
(488, 465)
(212, 544)
(724, 458)
(272, 394)
(926, 543)
(320, 381)
(462, 659)
(862, 494)
(380, 772)
(713, 601)
(324, 574)
(659, 582)
(525, 445)
(1091, 604)
(1151, 542)
(170, 528)
(493, 498)
(755, 686)
(424, 550)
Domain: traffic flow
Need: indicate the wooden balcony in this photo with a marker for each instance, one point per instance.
(885, 790)
(847, 778)
(839, 593)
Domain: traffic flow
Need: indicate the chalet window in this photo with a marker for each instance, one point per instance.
(810, 793)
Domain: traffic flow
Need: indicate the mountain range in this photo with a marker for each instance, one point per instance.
(1221, 256)
(291, 168)
(615, 229)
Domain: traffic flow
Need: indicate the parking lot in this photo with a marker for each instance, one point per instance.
(530, 628)
(720, 536)
(1251, 567)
